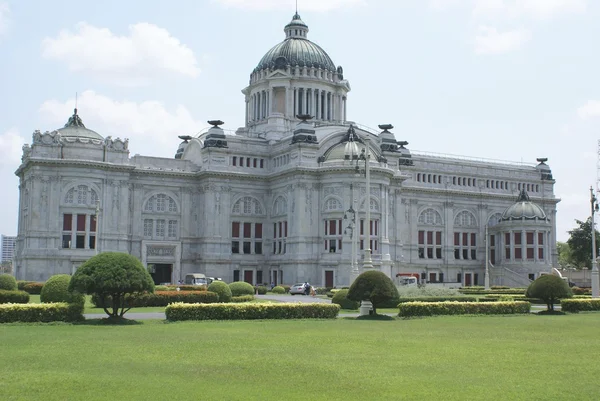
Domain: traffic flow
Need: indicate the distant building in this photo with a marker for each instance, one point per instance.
(8, 247)
(284, 199)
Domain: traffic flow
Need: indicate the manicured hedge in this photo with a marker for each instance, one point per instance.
(56, 289)
(579, 305)
(278, 290)
(8, 282)
(173, 287)
(286, 287)
(23, 283)
(260, 290)
(402, 300)
(223, 291)
(55, 312)
(411, 309)
(243, 298)
(516, 291)
(246, 311)
(13, 297)
(33, 288)
(163, 298)
(241, 288)
(340, 299)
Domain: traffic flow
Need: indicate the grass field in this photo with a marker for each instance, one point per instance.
(525, 357)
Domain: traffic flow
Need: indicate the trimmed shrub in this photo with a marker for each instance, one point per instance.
(33, 288)
(418, 292)
(243, 298)
(56, 289)
(278, 290)
(113, 274)
(8, 282)
(579, 291)
(286, 288)
(412, 309)
(550, 289)
(580, 305)
(403, 300)
(260, 289)
(161, 298)
(500, 287)
(55, 312)
(222, 290)
(241, 288)
(13, 297)
(251, 311)
(340, 299)
(373, 286)
(22, 283)
(322, 290)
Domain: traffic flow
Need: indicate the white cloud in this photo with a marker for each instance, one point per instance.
(150, 126)
(125, 60)
(490, 41)
(4, 17)
(538, 9)
(441, 5)
(590, 110)
(10, 148)
(305, 5)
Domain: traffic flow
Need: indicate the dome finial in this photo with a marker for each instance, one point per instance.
(523, 196)
(74, 120)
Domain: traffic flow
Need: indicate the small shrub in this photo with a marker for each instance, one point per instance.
(250, 311)
(578, 290)
(56, 289)
(8, 282)
(550, 289)
(243, 298)
(22, 283)
(33, 288)
(222, 290)
(419, 292)
(374, 286)
(55, 312)
(459, 298)
(278, 290)
(322, 290)
(340, 299)
(241, 288)
(13, 297)
(500, 287)
(286, 288)
(412, 309)
(260, 289)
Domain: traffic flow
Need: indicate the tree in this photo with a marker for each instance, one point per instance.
(580, 243)
(549, 288)
(6, 267)
(112, 276)
(56, 289)
(373, 286)
(564, 254)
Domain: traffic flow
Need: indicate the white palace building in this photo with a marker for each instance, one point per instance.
(285, 199)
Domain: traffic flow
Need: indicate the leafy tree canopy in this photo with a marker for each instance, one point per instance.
(374, 286)
(112, 276)
(580, 244)
(549, 288)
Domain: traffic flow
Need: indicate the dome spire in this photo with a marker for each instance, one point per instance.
(296, 28)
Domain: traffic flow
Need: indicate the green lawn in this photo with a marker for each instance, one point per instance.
(524, 357)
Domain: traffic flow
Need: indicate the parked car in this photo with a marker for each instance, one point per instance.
(298, 289)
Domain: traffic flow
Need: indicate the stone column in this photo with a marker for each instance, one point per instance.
(295, 103)
(536, 253)
(326, 111)
(246, 110)
(512, 246)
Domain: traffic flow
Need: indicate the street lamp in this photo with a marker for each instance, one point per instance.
(97, 226)
(487, 260)
(595, 276)
(350, 230)
(365, 156)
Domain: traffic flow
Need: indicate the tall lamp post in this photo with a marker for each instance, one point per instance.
(350, 215)
(487, 260)
(97, 226)
(367, 262)
(595, 276)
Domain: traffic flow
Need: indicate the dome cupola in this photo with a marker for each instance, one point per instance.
(74, 128)
(524, 209)
(296, 28)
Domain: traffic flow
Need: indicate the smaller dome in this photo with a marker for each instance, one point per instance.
(524, 209)
(74, 128)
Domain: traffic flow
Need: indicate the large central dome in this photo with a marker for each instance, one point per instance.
(296, 49)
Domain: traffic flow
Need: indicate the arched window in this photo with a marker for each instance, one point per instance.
(161, 203)
(280, 206)
(373, 205)
(465, 219)
(247, 205)
(494, 219)
(333, 204)
(430, 217)
(81, 195)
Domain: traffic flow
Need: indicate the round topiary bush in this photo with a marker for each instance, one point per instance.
(549, 288)
(222, 290)
(374, 286)
(278, 290)
(56, 289)
(8, 282)
(241, 288)
(260, 289)
(344, 303)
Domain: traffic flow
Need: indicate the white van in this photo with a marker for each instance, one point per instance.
(195, 279)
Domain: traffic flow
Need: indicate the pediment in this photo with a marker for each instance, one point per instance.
(278, 74)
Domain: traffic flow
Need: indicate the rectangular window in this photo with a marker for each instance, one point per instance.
(247, 230)
(473, 254)
(258, 248)
(235, 229)
(438, 253)
(507, 238)
(67, 222)
(247, 247)
(465, 254)
(429, 253)
(81, 222)
(518, 239)
(429, 237)
(148, 227)
(285, 225)
(93, 223)
(541, 253)
(518, 254)
(540, 238)
(465, 239)
(236, 275)
(234, 160)
(493, 256)
(66, 240)
(172, 229)
(80, 241)
(529, 253)
(258, 230)
(529, 235)
(160, 228)
(262, 164)
(254, 163)
(507, 253)
(456, 253)
(473, 239)
(421, 237)
(456, 239)
(92, 242)
(235, 247)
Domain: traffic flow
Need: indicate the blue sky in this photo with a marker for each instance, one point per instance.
(499, 79)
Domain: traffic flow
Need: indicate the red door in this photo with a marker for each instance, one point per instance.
(275, 277)
(249, 276)
(432, 278)
(467, 279)
(329, 278)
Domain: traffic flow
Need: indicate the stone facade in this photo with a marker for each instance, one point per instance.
(284, 200)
